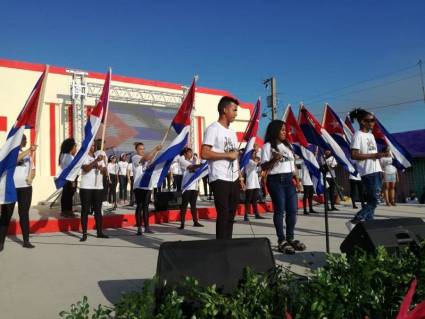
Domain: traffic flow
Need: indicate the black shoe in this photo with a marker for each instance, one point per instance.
(197, 224)
(149, 231)
(312, 211)
(334, 209)
(259, 217)
(102, 235)
(1, 247)
(181, 226)
(27, 244)
(246, 219)
(355, 207)
(84, 238)
(306, 213)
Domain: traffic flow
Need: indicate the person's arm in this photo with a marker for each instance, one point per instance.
(95, 164)
(356, 155)
(30, 151)
(208, 154)
(268, 165)
(151, 154)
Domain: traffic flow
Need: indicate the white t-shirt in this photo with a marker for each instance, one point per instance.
(251, 172)
(387, 165)
(130, 169)
(221, 140)
(184, 164)
(366, 144)
(65, 159)
(331, 163)
(122, 168)
(94, 178)
(305, 176)
(176, 167)
(138, 169)
(285, 165)
(113, 168)
(22, 172)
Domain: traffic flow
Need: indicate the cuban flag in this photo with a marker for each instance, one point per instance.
(156, 172)
(349, 125)
(9, 152)
(301, 147)
(199, 173)
(250, 135)
(96, 118)
(401, 157)
(317, 135)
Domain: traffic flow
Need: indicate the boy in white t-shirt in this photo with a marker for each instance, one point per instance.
(365, 151)
(220, 149)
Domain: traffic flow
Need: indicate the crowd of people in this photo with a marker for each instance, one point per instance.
(272, 169)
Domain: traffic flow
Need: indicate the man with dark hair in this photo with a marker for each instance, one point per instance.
(219, 148)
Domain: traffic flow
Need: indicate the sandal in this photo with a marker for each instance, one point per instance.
(297, 245)
(286, 248)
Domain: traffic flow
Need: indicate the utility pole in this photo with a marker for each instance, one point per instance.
(271, 99)
(422, 78)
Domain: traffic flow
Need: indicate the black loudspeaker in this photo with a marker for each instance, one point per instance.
(167, 200)
(219, 261)
(390, 233)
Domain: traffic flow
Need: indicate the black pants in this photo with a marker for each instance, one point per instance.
(308, 195)
(105, 190)
(68, 192)
(189, 196)
(205, 181)
(143, 197)
(226, 199)
(91, 199)
(24, 203)
(331, 192)
(251, 198)
(357, 185)
(112, 189)
(123, 186)
(131, 190)
(178, 182)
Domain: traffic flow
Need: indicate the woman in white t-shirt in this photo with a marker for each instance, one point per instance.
(252, 185)
(142, 195)
(23, 176)
(188, 167)
(365, 151)
(67, 153)
(113, 180)
(279, 160)
(390, 177)
(130, 178)
(122, 176)
(91, 191)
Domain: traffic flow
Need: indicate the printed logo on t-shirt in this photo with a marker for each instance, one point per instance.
(371, 145)
(228, 145)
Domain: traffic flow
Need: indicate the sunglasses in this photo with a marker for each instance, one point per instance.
(369, 120)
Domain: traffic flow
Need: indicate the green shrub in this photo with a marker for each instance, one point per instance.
(365, 285)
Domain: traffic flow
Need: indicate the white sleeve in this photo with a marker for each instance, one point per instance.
(210, 136)
(355, 144)
(184, 164)
(265, 153)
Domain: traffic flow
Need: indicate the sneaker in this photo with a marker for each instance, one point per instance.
(148, 231)
(84, 238)
(106, 204)
(259, 217)
(306, 213)
(102, 235)
(312, 211)
(197, 224)
(27, 244)
(334, 209)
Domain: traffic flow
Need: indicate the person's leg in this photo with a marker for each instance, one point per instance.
(146, 197)
(221, 190)
(114, 189)
(290, 194)
(310, 193)
(97, 207)
(332, 194)
(234, 198)
(248, 199)
(5, 217)
(192, 200)
(66, 198)
(179, 179)
(361, 193)
(352, 192)
(376, 185)
(105, 188)
(138, 194)
(276, 191)
(386, 195)
(183, 208)
(305, 197)
(254, 201)
(131, 191)
(125, 182)
(205, 183)
(85, 198)
(391, 193)
(24, 204)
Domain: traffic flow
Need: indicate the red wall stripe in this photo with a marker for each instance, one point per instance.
(70, 121)
(3, 123)
(52, 135)
(200, 137)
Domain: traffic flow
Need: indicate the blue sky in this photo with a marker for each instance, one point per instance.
(313, 48)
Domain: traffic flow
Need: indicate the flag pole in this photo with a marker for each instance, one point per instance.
(247, 126)
(102, 145)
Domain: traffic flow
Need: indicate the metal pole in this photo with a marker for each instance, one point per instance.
(422, 78)
(274, 101)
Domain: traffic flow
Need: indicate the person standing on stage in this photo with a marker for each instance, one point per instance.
(67, 153)
(106, 180)
(390, 178)
(113, 180)
(279, 161)
(308, 190)
(188, 166)
(252, 185)
(122, 178)
(130, 177)
(91, 191)
(220, 149)
(23, 177)
(143, 195)
(364, 150)
(330, 164)
(177, 174)
(356, 185)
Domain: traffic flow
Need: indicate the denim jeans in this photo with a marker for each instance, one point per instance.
(284, 198)
(372, 184)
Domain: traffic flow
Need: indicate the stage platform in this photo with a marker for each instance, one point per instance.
(44, 219)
